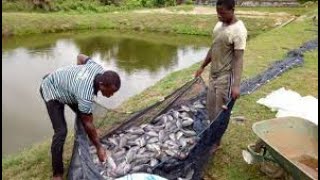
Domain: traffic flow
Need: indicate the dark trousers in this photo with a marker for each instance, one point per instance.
(56, 113)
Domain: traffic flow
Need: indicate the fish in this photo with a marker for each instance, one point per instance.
(130, 154)
(176, 114)
(122, 169)
(152, 133)
(113, 141)
(183, 142)
(154, 162)
(161, 135)
(141, 150)
(153, 147)
(119, 153)
(131, 137)
(110, 163)
(179, 134)
(184, 115)
(198, 105)
(188, 132)
(143, 160)
(187, 122)
(179, 123)
(170, 152)
(122, 142)
(182, 156)
(146, 154)
(153, 140)
(170, 118)
(168, 137)
(135, 130)
(172, 137)
(184, 108)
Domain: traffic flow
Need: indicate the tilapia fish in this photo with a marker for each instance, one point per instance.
(141, 148)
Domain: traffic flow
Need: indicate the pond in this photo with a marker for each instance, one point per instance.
(141, 59)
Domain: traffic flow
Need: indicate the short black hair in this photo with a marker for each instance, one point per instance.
(229, 4)
(111, 78)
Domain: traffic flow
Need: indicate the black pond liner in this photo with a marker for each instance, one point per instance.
(82, 166)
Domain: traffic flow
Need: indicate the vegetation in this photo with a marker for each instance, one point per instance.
(95, 6)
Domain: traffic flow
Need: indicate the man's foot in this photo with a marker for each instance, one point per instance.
(57, 177)
(215, 148)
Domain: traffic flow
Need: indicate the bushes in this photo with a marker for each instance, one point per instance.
(81, 5)
(16, 6)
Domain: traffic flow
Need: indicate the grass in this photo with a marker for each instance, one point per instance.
(297, 11)
(22, 23)
(69, 6)
(34, 162)
(181, 8)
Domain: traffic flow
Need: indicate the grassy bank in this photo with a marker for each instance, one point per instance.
(34, 163)
(31, 23)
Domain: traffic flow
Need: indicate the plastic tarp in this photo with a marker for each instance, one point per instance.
(291, 103)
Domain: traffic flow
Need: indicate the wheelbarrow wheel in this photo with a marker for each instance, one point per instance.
(272, 170)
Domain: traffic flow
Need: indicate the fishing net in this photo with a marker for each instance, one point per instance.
(82, 165)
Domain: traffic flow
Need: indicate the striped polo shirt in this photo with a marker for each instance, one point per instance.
(72, 85)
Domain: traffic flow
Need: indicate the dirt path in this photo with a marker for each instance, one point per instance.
(212, 10)
(279, 17)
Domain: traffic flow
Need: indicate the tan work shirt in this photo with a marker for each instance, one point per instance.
(225, 40)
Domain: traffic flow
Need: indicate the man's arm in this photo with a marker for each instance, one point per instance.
(87, 121)
(237, 71)
(206, 61)
(82, 59)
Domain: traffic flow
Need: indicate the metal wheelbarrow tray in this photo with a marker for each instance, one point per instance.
(293, 143)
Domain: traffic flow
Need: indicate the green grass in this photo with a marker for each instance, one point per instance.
(34, 163)
(181, 8)
(69, 6)
(297, 11)
(21, 23)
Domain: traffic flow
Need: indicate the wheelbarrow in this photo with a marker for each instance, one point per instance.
(289, 144)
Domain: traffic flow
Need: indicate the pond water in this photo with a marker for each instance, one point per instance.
(141, 59)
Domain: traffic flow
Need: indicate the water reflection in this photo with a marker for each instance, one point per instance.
(131, 55)
(140, 59)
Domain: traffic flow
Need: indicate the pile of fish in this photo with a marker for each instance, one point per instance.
(140, 148)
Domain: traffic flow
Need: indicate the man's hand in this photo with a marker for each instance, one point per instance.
(81, 59)
(199, 72)
(235, 92)
(102, 154)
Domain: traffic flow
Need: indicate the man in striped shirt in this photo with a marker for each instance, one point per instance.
(75, 86)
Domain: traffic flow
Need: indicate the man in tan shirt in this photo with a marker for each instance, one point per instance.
(226, 58)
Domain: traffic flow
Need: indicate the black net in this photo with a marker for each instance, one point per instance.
(171, 138)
